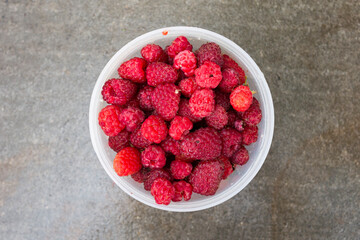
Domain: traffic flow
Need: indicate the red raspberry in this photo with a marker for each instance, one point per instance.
(163, 191)
(182, 190)
(202, 102)
(170, 145)
(133, 69)
(109, 120)
(179, 44)
(155, 174)
(119, 141)
(250, 135)
(206, 177)
(241, 156)
(153, 53)
(166, 99)
(223, 99)
(209, 52)
(208, 75)
(188, 86)
(218, 118)
(230, 80)
(184, 110)
(159, 72)
(144, 97)
(141, 175)
(231, 117)
(118, 91)
(138, 140)
(230, 63)
(255, 102)
(179, 127)
(231, 141)
(154, 129)
(241, 98)
(203, 144)
(253, 115)
(228, 168)
(179, 169)
(127, 161)
(186, 61)
(239, 125)
(133, 103)
(153, 157)
(132, 118)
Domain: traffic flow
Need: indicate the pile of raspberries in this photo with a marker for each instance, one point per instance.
(179, 119)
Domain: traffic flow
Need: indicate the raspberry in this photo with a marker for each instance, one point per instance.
(203, 144)
(231, 141)
(250, 135)
(208, 75)
(132, 118)
(230, 80)
(228, 168)
(144, 97)
(230, 63)
(186, 61)
(154, 129)
(241, 156)
(255, 102)
(179, 127)
(241, 98)
(202, 103)
(155, 174)
(170, 145)
(179, 44)
(138, 140)
(253, 115)
(153, 53)
(133, 69)
(179, 169)
(239, 125)
(209, 52)
(133, 103)
(206, 177)
(119, 141)
(182, 190)
(165, 99)
(118, 91)
(223, 99)
(158, 73)
(231, 117)
(218, 118)
(153, 157)
(184, 110)
(188, 86)
(109, 120)
(127, 161)
(141, 175)
(163, 191)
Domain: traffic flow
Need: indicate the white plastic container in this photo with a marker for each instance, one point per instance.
(258, 151)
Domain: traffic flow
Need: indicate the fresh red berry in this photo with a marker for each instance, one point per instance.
(132, 118)
(230, 80)
(118, 91)
(163, 191)
(171, 145)
(159, 72)
(231, 141)
(241, 156)
(144, 97)
(252, 116)
(155, 174)
(137, 139)
(179, 127)
(182, 190)
(222, 99)
(188, 86)
(202, 103)
(180, 169)
(154, 129)
(186, 61)
(109, 120)
(230, 63)
(120, 141)
(127, 161)
(218, 118)
(166, 99)
(133, 69)
(208, 75)
(179, 44)
(153, 53)
(228, 168)
(241, 98)
(153, 157)
(209, 52)
(184, 110)
(250, 135)
(239, 125)
(141, 175)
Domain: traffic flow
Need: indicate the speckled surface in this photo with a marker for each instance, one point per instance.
(53, 186)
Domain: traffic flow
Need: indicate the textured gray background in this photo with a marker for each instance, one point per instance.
(52, 185)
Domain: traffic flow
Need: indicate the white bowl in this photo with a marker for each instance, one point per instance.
(258, 151)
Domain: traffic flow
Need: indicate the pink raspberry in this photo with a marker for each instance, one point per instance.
(141, 175)
(241, 156)
(252, 116)
(222, 99)
(206, 177)
(184, 110)
(179, 169)
(228, 168)
(163, 191)
(203, 144)
(159, 72)
(208, 75)
(170, 145)
(138, 140)
(109, 120)
(209, 52)
(166, 99)
(230, 63)
(132, 118)
(153, 157)
(239, 125)
(182, 190)
(230, 80)
(202, 103)
(118, 91)
(178, 45)
(231, 141)
(241, 98)
(155, 174)
(133, 69)
(144, 97)
(120, 141)
(154, 129)
(186, 61)
(250, 135)
(231, 117)
(153, 53)
(179, 127)
(218, 118)
(188, 86)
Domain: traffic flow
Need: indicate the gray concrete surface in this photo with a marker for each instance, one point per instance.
(52, 185)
